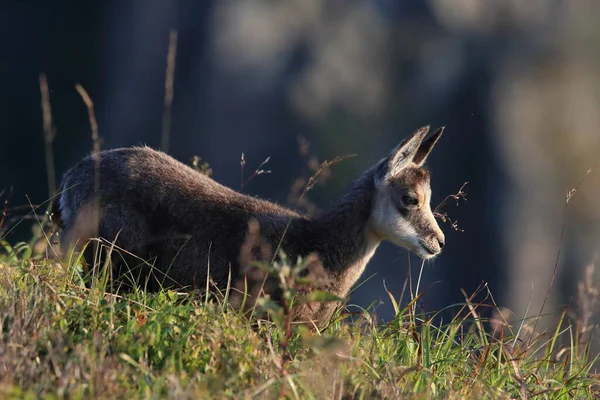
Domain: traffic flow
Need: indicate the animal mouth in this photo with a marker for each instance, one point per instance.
(428, 249)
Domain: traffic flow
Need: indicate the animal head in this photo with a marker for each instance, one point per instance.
(401, 210)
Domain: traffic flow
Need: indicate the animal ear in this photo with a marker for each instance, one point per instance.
(406, 151)
(426, 146)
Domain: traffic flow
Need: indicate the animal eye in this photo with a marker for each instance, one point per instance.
(410, 200)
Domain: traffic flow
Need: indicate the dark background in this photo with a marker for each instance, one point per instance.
(515, 83)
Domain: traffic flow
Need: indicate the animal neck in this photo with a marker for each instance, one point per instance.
(342, 237)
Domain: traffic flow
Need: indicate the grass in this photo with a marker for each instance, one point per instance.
(64, 336)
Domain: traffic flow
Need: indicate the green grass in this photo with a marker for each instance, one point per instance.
(62, 338)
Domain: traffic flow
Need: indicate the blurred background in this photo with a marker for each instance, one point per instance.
(516, 83)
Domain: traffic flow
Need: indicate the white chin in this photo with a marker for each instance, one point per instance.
(417, 249)
(424, 253)
(427, 256)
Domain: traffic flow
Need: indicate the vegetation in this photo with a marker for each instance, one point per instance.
(65, 336)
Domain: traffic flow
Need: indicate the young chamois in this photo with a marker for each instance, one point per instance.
(188, 226)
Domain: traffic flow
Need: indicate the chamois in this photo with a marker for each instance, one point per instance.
(189, 228)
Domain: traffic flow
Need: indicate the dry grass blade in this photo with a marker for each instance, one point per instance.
(258, 171)
(202, 167)
(49, 133)
(473, 311)
(570, 195)
(169, 91)
(460, 195)
(588, 297)
(517, 373)
(89, 104)
(296, 196)
(324, 166)
(311, 183)
(4, 209)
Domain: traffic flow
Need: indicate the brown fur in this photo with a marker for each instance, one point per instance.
(186, 224)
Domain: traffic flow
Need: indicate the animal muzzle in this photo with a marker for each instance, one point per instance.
(433, 243)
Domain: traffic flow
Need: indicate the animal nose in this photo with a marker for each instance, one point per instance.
(441, 242)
